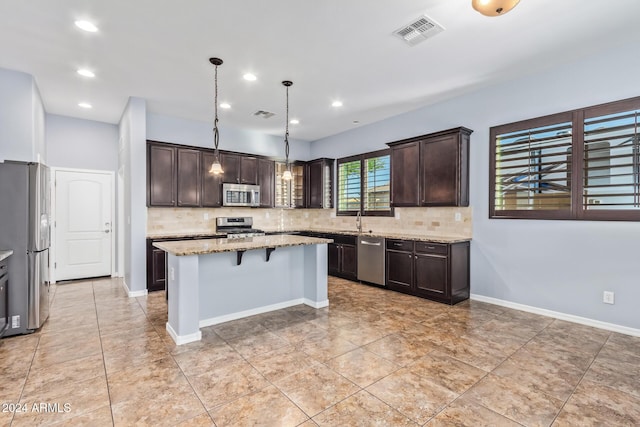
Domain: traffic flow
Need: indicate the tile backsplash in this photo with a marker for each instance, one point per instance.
(407, 221)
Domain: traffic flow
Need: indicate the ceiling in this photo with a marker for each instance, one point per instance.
(331, 49)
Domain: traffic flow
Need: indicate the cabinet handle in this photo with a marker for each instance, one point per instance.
(416, 256)
(409, 256)
(431, 247)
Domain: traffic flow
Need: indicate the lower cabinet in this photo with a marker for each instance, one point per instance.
(430, 270)
(343, 256)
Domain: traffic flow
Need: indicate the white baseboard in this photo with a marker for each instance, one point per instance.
(183, 339)
(239, 315)
(558, 315)
(316, 304)
(133, 294)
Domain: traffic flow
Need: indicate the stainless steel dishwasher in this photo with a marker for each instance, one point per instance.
(371, 260)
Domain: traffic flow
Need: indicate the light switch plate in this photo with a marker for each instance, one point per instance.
(608, 297)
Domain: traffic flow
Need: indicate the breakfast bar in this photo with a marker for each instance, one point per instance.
(217, 280)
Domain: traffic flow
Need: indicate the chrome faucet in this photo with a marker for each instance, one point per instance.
(359, 222)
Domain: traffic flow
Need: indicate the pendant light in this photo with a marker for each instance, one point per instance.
(216, 167)
(286, 175)
(494, 7)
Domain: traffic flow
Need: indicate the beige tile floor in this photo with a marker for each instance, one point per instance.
(373, 358)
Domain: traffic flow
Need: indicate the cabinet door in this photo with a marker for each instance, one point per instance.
(440, 161)
(231, 167)
(315, 184)
(159, 269)
(349, 261)
(405, 174)
(431, 275)
(266, 179)
(161, 175)
(188, 177)
(248, 170)
(211, 184)
(297, 186)
(399, 271)
(333, 257)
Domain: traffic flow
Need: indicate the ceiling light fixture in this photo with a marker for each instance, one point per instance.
(216, 167)
(86, 26)
(84, 105)
(286, 175)
(294, 121)
(225, 105)
(494, 7)
(250, 77)
(86, 73)
(336, 104)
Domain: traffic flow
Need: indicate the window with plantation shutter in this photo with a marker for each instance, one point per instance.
(364, 184)
(582, 164)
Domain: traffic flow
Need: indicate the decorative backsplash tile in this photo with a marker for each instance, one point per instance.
(411, 221)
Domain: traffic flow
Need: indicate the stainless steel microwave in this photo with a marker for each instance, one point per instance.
(240, 195)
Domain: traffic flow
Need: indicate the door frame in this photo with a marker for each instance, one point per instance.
(114, 221)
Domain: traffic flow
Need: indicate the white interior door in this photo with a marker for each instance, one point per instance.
(83, 227)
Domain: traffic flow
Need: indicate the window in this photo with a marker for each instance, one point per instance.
(364, 184)
(582, 164)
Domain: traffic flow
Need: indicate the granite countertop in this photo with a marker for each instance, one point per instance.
(5, 254)
(418, 237)
(209, 246)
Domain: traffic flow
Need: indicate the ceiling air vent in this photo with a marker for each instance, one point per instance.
(418, 30)
(264, 114)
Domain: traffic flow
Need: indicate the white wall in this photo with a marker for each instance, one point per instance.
(562, 266)
(132, 160)
(22, 122)
(200, 134)
(81, 144)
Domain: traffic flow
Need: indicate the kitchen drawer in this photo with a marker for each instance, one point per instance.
(400, 245)
(432, 248)
(342, 239)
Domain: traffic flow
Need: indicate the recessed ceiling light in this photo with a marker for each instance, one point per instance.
(85, 105)
(294, 121)
(250, 77)
(86, 26)
(86, 73)
(225, 105)
(336, 104)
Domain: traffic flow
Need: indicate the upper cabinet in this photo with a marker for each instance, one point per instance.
(266, 180)
(431, 170)
(319, 183)
(239, 169)
(189, 180)
(161, 176)
(211, 184)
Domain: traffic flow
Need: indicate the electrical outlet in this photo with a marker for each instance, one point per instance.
(172, 273)
(15, 321)
(608, 297)
(458, 216)
(266, 214)
(206, 216)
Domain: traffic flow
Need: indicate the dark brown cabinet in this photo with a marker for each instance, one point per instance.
(211, 184)
(342, 256)
(319, 187)
(189, 177)
(431, 170)
(156, 267)
(239, 169)
(404, 174)
(266, 180)
(435, 271)
(161, 178)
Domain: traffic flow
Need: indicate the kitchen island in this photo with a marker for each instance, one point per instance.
(217, 280)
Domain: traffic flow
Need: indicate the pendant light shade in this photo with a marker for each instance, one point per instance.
(494, 7)
(287, 175)
(216, 167)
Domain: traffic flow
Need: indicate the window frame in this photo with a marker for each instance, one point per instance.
(577, 210)
(362, 158)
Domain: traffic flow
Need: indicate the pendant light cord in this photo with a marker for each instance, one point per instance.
(216, 133)
(286, 134)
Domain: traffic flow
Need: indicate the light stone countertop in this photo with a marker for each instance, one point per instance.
(417, 237)
(210, 246)
(174, 235)
(5, 254)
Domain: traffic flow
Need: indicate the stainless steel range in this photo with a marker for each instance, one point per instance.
(237, 227)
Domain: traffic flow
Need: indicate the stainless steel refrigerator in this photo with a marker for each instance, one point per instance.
(25, 212)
